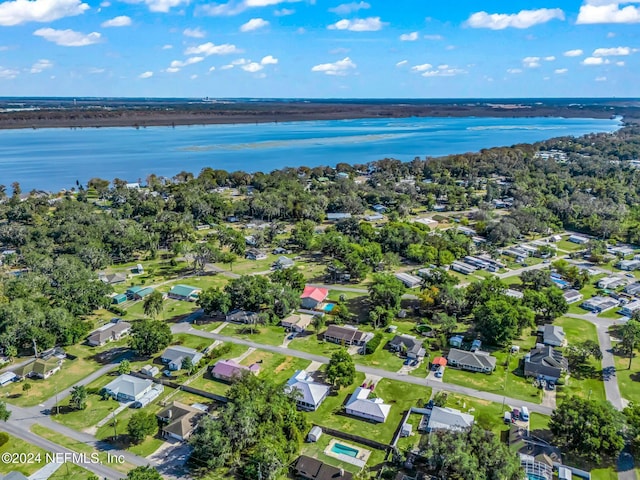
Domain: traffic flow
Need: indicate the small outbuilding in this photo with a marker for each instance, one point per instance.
(314, 434)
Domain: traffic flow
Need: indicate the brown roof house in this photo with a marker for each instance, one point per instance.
(179, 420)
(310, 468)
(346, 335)
(109, 332)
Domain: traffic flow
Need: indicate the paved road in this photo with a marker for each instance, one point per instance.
(493, 397)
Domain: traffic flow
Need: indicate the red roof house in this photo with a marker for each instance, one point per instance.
(313, 296)
(440, 361)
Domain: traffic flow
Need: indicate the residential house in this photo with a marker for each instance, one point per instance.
(473, 361)
(476, 345)
(179, 421)
(410, 281)
(175, 355)
(40, 368)
(374, 217)
(456, 341)
(142, 293)
(184, 292)
(242, 316)
(476, 262)
(112, 278)
(544, 362)
(360, 405)
(611, 282)
(7, 377)
(599, 304)
(312, 297)
(346, 335)
(408, 346)
(580, 240)
(255, 254)
(445, 418)
(150, 396)
(553, 335)
(229, 370)
(379, 208)
(283, 262)
(630, 308)
(510, 292)
(463, 268)
(310, 393)
(127, 388)
(298, 322)
(150, 370)
(107, 333)
(632, 289)
(309, 468)
(335, 217)
(628, 265)
(573, 296)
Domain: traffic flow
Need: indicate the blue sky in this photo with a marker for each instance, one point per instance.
(321, 48)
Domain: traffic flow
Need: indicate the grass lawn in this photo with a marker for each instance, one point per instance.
(72, 372)
(487, 414)
(79, 447)
(400, 395)
(512, 280)
(191, 341)
(587, 383)
(269, 335)
(316, 450)
(569, 246)
(613, 313)
(278, 367)
(96, 410)
(246, 267)
(311, 344)
(209, 384)
(628, 380)
(381, 358)
(604, 474)
(538, 421)
(412, 441)
(17, 446)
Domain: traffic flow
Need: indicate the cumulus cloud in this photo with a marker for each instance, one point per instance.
(193, 77)
(340, 68)
(531, 62)
(96, 70)
(620, 64)
(284, 12)
(167, 47)
(443, 71)
(8, 73)
(212, 69)
(162, 6)
(514, 70)
(608, 11)
(210, 48)
(194, 32)
(40, 66)
(613, 52)
(183, 63)
(550, 58)
(573, 53)
(22, 11)
(347, 8)
(560, 71)
(253, 24)
(269, 60)
(402, 63)
(591, 61)
(252, 67)
(422, 68)
(235, 7)
(371, 24)
(433, 37)
(119, 21)
(68, 38)
(146, 75)
(522, 19)
(409, 37)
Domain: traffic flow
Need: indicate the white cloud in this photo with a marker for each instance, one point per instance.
(531, 62)
(40, 66)
(68, 38)
(167, 47)
(269, 60)
(594, 61)
(173, 69)
(340, 68)
(283, 12)
(550, 58)
(613, 52)
(339, 51)
(573, 53)
(252, 67)
(253, 24)
(608, 11)
(226, 67)
(96, 70)
(194, 32)
(409, 37)
(212, 49)
(433, 37)
(443, 71)
(601, 79)
(146, 75)
(235, 7)
(402, 63)
(522, 19)
(371, 24)
(160, 5)
(611, 35)
(347, 8)
(212, 69)
(105, 4)
(193, 77)
(422, 68)
(17, 12)
(240, 61)
(184, 63)
(514, 70)
(560, 71)
(8, 73)
(119, 21)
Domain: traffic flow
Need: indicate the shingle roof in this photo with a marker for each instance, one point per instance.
(311, 392)
(476, 359)
(112, 330)
(359, 402)
(231, 369)
(178, 352)
(553, 334)
(182, 419)
(445, 418)
(128, 385)
(314, 469)
(412, 344)
(545, 360)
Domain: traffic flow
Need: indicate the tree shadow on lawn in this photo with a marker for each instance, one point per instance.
(107, 356)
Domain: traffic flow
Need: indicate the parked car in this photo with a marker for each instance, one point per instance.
(407, 361)
(414, 363)
(515, 414)
(630, 275)
(440, 372)
(551, 385)
(292, 336)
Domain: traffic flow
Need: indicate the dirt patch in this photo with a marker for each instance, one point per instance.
(284, 365)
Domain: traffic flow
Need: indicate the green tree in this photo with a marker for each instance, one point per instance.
(141, 424)
(577, 354)
(124, 367)
(630, 337)
(500, 320)
(187, 364)
(5, 413)
(153, 304)
(291, 277)
(341, 370)
(144, 473)
(549, 303)
(214, 301)
(318, 323)
(588, 428)
(26, 386)
(536, 279)
(386, 291)
(632, 413)
(149, 336)
(79, 397)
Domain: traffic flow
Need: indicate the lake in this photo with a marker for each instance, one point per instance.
(53, 159)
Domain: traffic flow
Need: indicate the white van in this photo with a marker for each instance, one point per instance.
(440, 372)
(524, 414)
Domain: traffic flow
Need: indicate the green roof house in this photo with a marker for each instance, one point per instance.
(131, 291)
(140, 294)
(184, 292)
(118, 299)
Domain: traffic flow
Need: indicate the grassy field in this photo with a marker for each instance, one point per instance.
(316, 450)
(311, 344)
(96, 410)
(278, 367)
(246, 267)
(79, 447)
(487, 414)
(16, 446)
(628, 379)
(269, 335)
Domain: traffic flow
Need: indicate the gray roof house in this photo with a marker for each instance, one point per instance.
(545, 362)
(179, 420)
(127, 388)
(474, 361)
(552, 335)
(408, 345)
(445, 418)
(111, 331)
(346, 335)
(241, 316)
(360, 405)
(311, 394)
(175, 355)
(283, 262)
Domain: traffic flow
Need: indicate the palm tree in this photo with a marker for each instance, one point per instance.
(153, 304)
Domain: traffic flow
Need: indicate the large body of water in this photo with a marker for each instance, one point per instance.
(53, 159)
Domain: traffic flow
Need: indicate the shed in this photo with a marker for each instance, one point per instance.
(407, 428)
(7, 377)
(118, 299)
(314, 434)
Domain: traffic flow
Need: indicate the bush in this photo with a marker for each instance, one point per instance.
(121, 312)
(374, 343)
(4, 438)
(220, 351)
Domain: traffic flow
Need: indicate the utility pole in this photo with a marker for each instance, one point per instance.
(115, 430)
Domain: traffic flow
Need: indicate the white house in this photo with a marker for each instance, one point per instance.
(360, 405)
(310, 394)
(410, 281)
(445, 418)
(175, 355)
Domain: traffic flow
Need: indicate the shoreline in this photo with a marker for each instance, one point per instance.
(203, 114)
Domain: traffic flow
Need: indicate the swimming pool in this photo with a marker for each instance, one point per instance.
(344, 450)
(328, 307)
